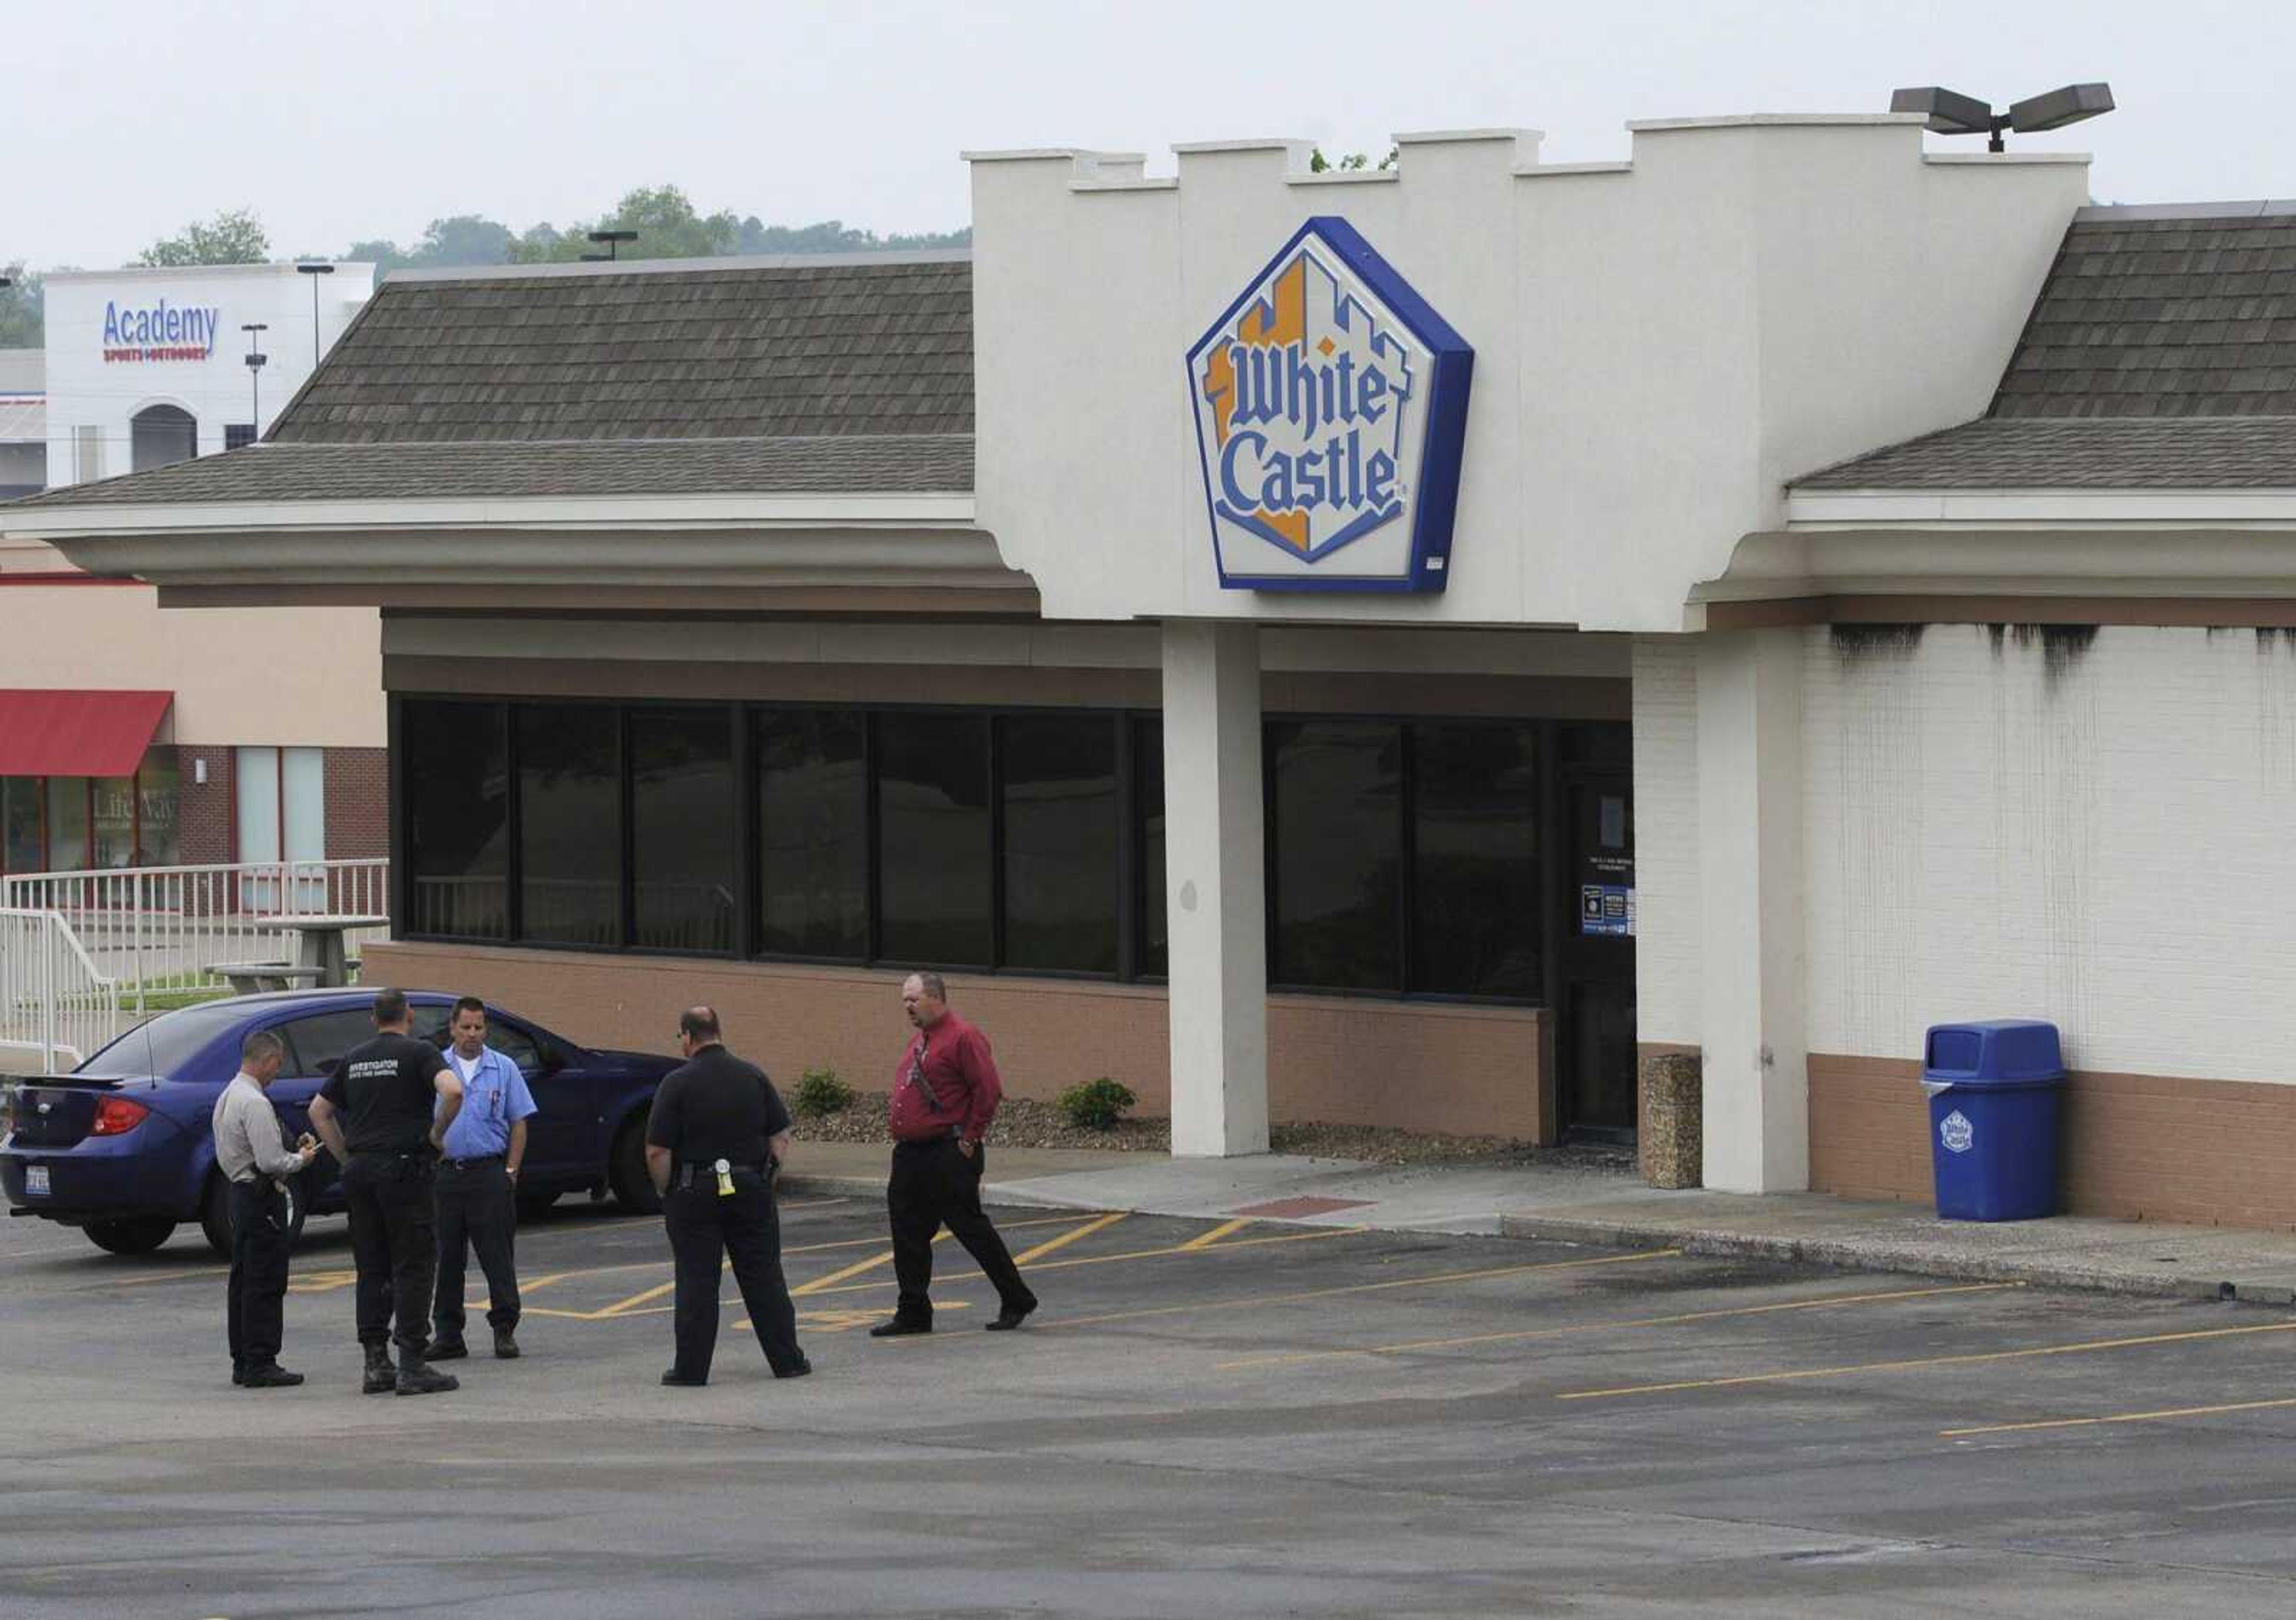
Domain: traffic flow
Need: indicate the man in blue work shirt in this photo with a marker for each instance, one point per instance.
(478, 1184)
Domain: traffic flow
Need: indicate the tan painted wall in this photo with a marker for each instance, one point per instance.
(1467, 1070)
(304, 677)
(2138, 1147)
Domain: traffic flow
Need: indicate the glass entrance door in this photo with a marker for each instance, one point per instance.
(1595, 1040)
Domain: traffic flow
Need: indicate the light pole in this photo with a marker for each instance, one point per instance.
(613, 241)
(254, 359)
(315, 271)
(1950, 112)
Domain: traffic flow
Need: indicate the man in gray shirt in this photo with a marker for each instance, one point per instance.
(252, 1151)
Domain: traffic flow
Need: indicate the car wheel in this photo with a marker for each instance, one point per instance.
(215, 1213)
(633, 1186)
(139, 1235)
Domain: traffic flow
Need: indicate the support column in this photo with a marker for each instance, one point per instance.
(1751, 950)
(1215, 879)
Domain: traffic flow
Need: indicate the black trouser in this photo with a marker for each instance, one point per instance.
(935, 1185)
(477, 1210)
(394, 1243)
(705, 1229)
(258, 1272)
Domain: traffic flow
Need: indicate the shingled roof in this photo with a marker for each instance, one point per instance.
(2161, 352)
(719, 376)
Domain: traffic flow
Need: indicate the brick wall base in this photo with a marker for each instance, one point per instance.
(2136, 1146)
(1402, 1064)
(358, 804)
(203, 809)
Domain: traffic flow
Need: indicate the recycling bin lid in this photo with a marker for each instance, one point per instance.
(1993, 1052)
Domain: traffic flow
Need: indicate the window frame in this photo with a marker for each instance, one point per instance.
(1548, 735)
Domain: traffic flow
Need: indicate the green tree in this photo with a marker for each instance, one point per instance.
(233, 237)
(1317, 163)
(665, 221)
(460, 239)
(22, 323)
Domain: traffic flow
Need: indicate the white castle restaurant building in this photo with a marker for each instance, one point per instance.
(1435, 648)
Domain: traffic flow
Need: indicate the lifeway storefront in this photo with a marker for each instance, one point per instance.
(1413, 648)
(131, 737)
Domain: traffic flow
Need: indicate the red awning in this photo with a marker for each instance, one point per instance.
(77, 733)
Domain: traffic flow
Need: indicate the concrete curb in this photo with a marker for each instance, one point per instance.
(1854, 1254)
(1878, 1256)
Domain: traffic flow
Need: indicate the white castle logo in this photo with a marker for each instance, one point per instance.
(1312, 403)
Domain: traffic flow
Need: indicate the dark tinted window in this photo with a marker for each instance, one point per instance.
(682, 828)
(932, 809)
(1155, 942)
(164, 1044)
(455, 762)
(812, 834)
(1475, 854)
(1062, 828)
(570, 825)
(317, 1042)
(515, 1044)
(1336, 861)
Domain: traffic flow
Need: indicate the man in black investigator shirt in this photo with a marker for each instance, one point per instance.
(388, 1091)
(717, 1131)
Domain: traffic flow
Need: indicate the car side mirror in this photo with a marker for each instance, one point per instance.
(552, 1060)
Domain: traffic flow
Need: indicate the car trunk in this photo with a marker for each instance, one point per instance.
(56, 1110)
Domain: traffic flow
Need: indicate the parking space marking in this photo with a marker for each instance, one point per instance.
(1923, 1362)
(1051, 1244)
(1225, 1229)
(2162, 1415)
(1138, 1254)
(1680, 1319)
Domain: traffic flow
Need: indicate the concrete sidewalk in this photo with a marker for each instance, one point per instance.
(1613, 1209)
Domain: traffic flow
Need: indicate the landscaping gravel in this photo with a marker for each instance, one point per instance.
(1024, 1123)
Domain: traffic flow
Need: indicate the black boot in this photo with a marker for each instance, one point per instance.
(381, 1376)
(419, 1377)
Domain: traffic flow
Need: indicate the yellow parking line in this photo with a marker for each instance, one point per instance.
(1205, 1239)
(1830, 1301)
(1917, 1364)
(1067, 1237)
(1139, 1254)
(621, 1305)
(2118, 1417)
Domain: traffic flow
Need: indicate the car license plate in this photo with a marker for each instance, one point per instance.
(36, 1180)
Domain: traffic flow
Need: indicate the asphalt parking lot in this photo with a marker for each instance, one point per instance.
(1230, 1418)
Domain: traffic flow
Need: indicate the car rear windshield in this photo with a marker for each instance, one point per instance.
(163, 1044)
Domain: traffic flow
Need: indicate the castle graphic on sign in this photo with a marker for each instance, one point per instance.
(1330, 403)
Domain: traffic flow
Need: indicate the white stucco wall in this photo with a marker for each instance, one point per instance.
(1667, 970)
(1658, 347)
(2099, 837)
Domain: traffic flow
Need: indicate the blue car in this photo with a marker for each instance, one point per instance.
(123, 1147)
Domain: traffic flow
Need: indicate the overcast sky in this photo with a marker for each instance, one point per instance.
(335, 120)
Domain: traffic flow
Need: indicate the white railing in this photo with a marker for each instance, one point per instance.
(55, 1009)
(159, 929)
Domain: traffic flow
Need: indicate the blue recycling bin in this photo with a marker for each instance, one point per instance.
(1994, 1089)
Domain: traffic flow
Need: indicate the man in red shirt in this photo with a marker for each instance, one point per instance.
(944, 1093)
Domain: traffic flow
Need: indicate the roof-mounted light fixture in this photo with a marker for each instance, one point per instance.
(613, 241)
(1950, 112)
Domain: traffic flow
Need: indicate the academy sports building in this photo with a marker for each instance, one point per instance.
(1417, 648)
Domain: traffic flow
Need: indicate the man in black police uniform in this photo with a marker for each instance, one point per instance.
(387, 1091)
(718, 1132)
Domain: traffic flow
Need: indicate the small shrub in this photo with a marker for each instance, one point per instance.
(821, 1093)
(1096, 1105)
